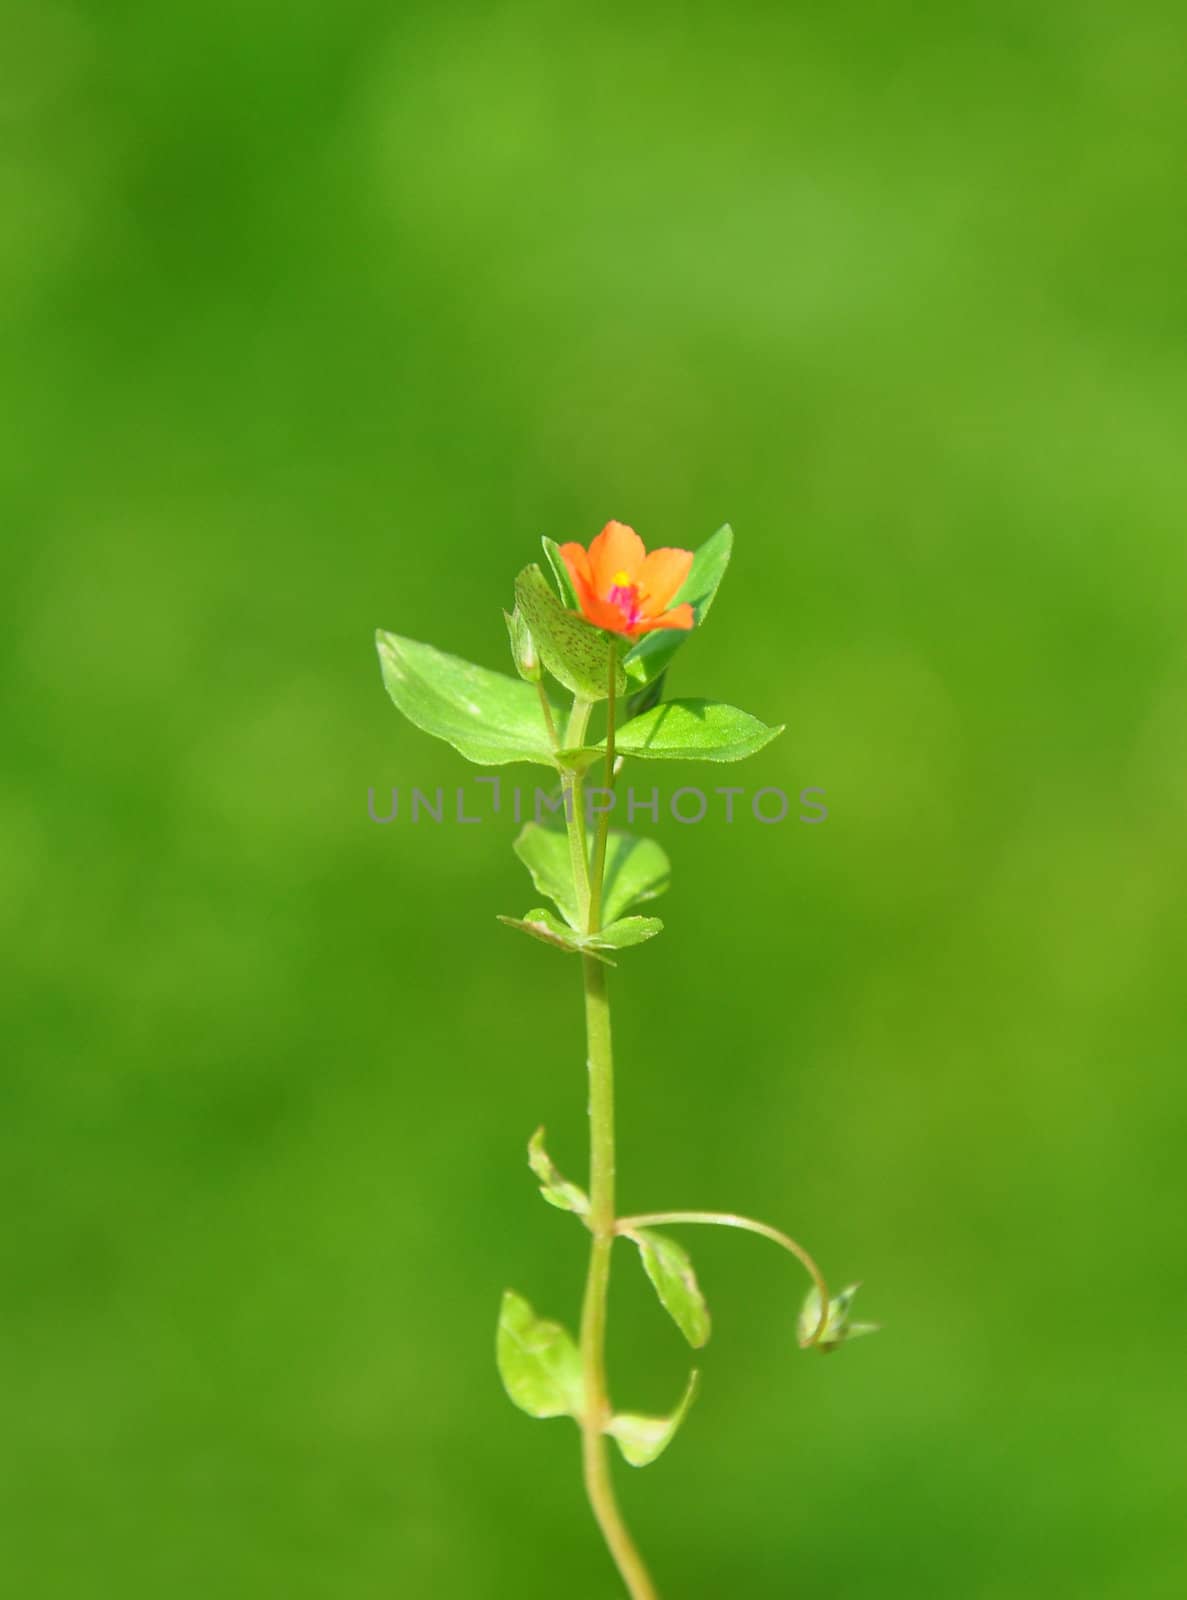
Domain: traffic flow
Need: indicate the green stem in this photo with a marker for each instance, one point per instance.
(572, 788)
(549, 721)
(594, 1448)
(727, 1219)
(599, 861)
(599, 1485)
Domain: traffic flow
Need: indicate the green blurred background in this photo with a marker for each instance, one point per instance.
(313, 318)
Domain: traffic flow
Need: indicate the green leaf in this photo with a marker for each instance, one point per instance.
(545, 925)
(838, 1329)
(576, 653)
(637, 870)
(523, 648)
(654, 651)
(650, 694)
(538, 1362)
(557, 1190)
(542, 924)
(545, 853)
(552, 553)
(488, 717)
(694, 730)
(668, 1266)
(642, 1439)
(626, 931)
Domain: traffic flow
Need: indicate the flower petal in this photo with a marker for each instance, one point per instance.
(660, 577)
(602, 613)
(617, 551)
(576, 558)
(680, 616)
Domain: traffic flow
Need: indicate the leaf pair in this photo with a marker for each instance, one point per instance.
(636, 870)
(665, 1262)
(540, 1366)
(493, 719)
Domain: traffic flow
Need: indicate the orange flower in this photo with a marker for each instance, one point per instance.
(622, 588)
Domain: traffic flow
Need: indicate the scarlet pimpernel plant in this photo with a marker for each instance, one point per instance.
(600, 632)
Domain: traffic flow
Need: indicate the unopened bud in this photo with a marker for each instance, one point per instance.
(838, 1328)
(523, 646)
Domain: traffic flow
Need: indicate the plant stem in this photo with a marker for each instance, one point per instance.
(572, 788)
(599, 861)
(549, 723)
(599, 1485)
(727, 1219)
(594, 1449)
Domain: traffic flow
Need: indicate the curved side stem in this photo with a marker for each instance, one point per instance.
(727, 1219)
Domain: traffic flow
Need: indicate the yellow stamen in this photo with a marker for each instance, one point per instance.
(622, 580)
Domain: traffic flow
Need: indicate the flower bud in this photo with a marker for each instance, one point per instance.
(523, 646)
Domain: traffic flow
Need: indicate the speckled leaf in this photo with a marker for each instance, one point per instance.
(555, 1188)
(668, 1266)
(490, 718)
(654, 651)
(576, 653)
(694, 730)
(538, 1362)
(641, 1439)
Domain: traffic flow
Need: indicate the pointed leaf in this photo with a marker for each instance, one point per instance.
(637, 869)
(626, 931)
(641, 1439)
(576, 653)
(538, 1362)
(694, 730)
(668, 1266)
(557, 1190)
(653, 653)
(542, 924)
(838, 1329)
(552, 553)
(490, 718)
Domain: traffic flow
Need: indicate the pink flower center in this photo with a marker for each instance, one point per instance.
(625, 595)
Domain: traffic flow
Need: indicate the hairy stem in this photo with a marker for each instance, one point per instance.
(727, 1219)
